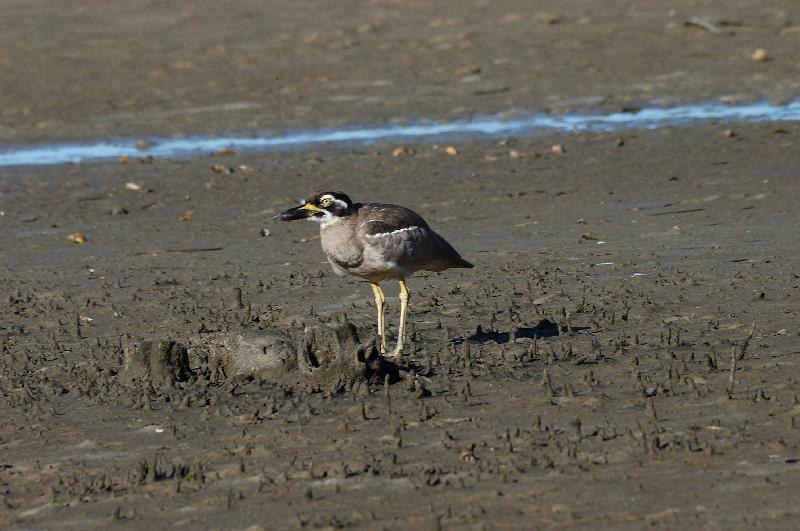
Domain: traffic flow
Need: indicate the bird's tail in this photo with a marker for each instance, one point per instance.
(463, 263)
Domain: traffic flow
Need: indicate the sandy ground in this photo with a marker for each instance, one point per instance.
(624, 354)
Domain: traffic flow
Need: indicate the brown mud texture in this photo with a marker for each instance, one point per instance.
(623, 355)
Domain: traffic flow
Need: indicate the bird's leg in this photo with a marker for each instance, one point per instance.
(380, 303)
(401, 332)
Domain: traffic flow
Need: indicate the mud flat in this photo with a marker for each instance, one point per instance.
(581, 374)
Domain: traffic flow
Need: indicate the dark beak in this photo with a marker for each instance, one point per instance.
(291, 214)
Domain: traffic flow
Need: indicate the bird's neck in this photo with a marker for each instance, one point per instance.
(329, 221)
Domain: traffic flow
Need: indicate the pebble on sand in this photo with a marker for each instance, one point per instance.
(548, 18)
(759, 56)
(450, 150)
(221, 168)
(77, 238)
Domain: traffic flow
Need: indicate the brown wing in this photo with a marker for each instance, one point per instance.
(392, 216)
(398, 235)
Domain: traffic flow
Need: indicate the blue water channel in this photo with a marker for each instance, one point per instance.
(478, 127)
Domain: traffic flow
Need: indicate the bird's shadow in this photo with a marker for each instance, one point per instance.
(542, 329)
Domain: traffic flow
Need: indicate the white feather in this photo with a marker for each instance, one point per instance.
(382, 234)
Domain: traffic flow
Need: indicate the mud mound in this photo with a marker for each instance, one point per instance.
(264, 354)
(331, 356)
(327, 357)
(156, 362)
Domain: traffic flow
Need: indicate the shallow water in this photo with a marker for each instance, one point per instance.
(485, 126)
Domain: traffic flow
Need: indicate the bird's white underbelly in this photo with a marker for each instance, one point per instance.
(376, 265)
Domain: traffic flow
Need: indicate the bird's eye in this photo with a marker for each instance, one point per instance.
(325, 202)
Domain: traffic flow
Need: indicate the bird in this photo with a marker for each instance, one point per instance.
(376, 242)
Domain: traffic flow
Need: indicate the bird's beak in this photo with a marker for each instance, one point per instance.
(298, 212)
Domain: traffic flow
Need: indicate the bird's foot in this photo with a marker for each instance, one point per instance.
(396, 353)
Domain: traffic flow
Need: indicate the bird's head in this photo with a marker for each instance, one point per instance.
(322, 206)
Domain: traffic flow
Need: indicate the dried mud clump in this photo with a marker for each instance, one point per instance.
(160, 363)
(264, 354)
(331, 356)
(327, 357)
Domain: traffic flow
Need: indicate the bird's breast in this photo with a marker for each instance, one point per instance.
(340, 245)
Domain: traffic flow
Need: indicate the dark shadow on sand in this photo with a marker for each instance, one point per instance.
(543, 329)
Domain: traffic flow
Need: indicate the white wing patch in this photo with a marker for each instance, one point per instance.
(382, 234)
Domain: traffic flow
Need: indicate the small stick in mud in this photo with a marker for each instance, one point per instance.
(548, 384)
(711, 358)
(746, 342)
(465, 392)
(238, 296)
(732, 373)
(165, 251)
(651, 409)
(387, 394)
(705, 23)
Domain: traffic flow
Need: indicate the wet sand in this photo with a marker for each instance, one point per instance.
(579, 376)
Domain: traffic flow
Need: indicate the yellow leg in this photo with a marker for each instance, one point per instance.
(380, 304)
(401, 332)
